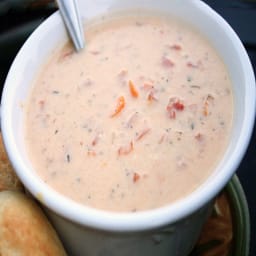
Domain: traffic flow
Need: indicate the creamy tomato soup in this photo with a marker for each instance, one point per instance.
(137, 120)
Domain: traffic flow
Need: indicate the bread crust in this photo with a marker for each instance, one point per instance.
(8, 177)
(24, 229)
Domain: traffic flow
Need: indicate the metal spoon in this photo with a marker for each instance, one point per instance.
(72, 20)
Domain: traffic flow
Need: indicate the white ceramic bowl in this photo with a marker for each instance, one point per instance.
(170, 230)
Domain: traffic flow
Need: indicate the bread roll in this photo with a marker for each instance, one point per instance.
(8, 178)
(24, 229)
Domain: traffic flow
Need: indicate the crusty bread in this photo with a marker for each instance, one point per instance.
(24, 229)
(8, 178)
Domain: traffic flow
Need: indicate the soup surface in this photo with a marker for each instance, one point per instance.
(137, 120)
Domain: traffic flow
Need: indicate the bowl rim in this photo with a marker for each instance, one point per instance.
(143, 220)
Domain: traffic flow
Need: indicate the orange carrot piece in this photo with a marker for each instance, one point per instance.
(120, 106)
(209, 100)
(205, 109)
(136, 177)
(133, 90)
(151, 96)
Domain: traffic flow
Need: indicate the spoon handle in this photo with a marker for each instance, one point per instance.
(72, 20)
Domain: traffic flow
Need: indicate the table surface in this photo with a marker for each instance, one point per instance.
(19, 18)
